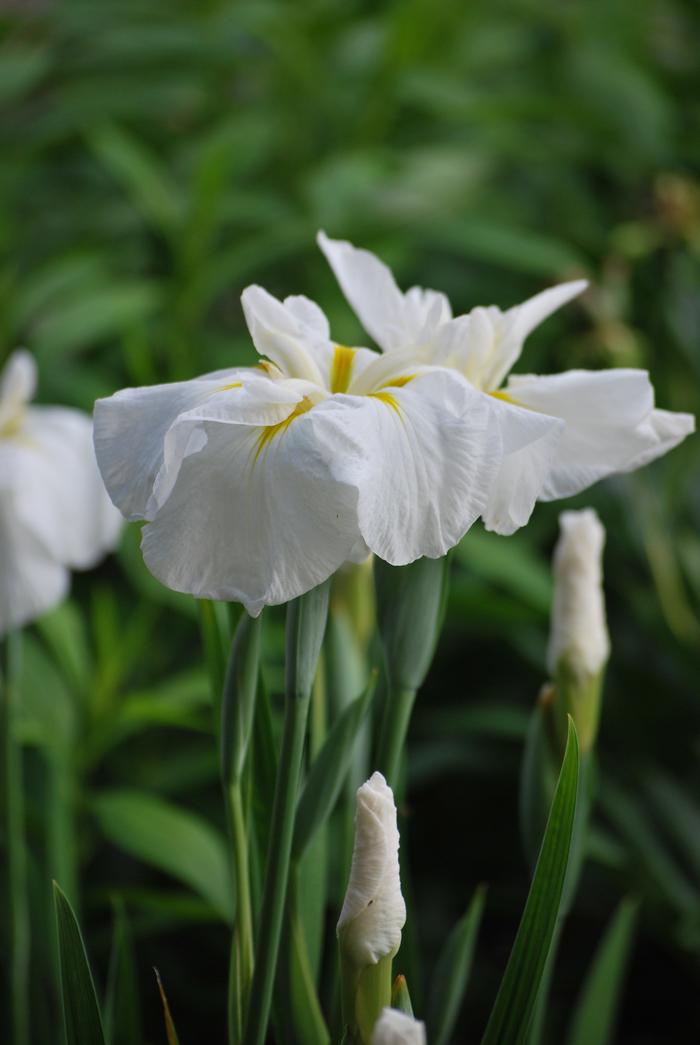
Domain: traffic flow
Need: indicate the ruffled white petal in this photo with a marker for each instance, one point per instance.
(422, 459)
(528, 442)
(292, 334)
(253, 518)
(611, 425)
(393, 319)
(397, 1028)
(374, 911)
(130, 426)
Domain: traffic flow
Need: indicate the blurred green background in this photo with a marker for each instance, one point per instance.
(157, 156)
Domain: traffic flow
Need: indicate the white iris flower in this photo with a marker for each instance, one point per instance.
(257, 483)
(560, 433)
(54, 511)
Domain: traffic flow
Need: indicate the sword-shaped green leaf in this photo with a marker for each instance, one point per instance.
(512, 1012)
(81, 1010)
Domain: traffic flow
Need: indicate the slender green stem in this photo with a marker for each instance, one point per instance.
(244, 909)
(63, 861)
(392, 738)
(277, 871)
(18, 907)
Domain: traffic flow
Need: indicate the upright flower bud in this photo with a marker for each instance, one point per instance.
(396, 1028)
(579, 645)
(374, 912)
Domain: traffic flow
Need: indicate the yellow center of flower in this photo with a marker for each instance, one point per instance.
(341, 370)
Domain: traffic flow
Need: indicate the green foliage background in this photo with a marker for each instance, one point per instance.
(157, 156)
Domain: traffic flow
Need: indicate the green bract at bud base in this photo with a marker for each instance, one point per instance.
(577, 694)
(410, 608)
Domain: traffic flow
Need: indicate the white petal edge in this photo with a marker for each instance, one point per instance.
(611, 425)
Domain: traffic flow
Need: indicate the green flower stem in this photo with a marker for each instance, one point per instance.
(62, 844)
(244, 911)
(15, 847)
(392, 738)
(277, 871)
(306, 622)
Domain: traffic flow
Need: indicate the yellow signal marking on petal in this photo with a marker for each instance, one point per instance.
(399, 382)
(504, 396)
(269, 432)
(388, 398)
(234, 384)
(341, 369)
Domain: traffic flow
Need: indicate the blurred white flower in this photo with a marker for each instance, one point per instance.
(560, 433)
(257, 483)
(374, 912)
(579, 636)
(396, 1028)
(54, 511)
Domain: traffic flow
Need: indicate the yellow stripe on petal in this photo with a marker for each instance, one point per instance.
(268, 433)
(399, 382)
(504, 397)
(388, 398)
(234, 384)
(341, 370)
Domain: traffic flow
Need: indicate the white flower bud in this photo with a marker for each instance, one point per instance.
(579, 636)
(396, 1028)
(374, 912)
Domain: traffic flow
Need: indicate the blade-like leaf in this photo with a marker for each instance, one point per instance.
(512, 1012)
(596, 1008)
(167, 1016)
(81, 1011)
(452, 972)
(325, 780)
(122, 1006)
(171, 839)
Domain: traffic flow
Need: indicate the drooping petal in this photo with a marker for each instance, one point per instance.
(395, 320)
(31, 581)
(255, 514)
(289, 334)
(610, 424)
(374, 912)
(421, 458)
(62, 498)
(528, 441)
(130, 427)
